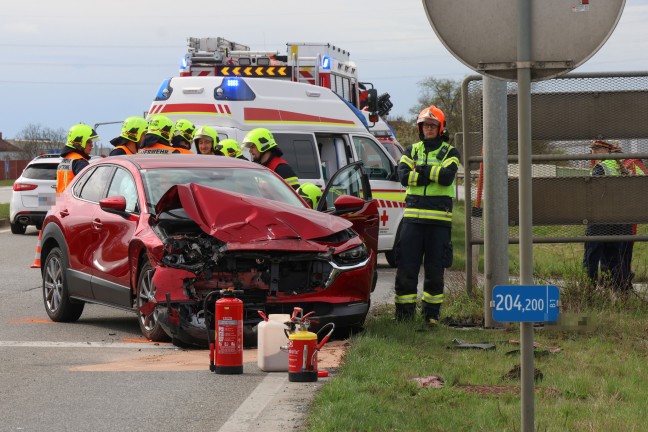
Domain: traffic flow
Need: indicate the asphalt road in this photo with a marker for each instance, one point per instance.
(52, 376)
(5, 194)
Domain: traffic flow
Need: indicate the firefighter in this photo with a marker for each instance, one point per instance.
(131, 136)
(229, 147)
(310, 193)
(427, 169)
(76, 154)
(158, 136)
(264, 150)
(184, 133)
(206, 140)
(608, 255)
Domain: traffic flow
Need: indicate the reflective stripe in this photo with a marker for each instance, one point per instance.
(407, 161)
(292, 181)
(405, 299)
(428, 214)
(452, 160)
(433, 299)
(412, 178)
(434, 173)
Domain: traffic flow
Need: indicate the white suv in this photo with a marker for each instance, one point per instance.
(34, 192)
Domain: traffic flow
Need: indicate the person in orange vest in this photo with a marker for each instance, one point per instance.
(184, 133)
(76, 154)
(206, 140)
(132, 134)
(264, 150)
(158, 136)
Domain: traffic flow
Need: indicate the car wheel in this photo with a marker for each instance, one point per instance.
(149, 323)
(55, 291)
(18, 228)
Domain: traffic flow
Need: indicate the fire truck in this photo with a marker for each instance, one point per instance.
(319, 64)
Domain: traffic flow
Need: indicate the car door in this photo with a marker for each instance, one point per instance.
(80, 233)
(352, 180)
(111, 270)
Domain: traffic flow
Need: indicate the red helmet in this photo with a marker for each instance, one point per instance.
(432, 115)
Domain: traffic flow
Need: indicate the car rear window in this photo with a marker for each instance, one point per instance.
(40, 171)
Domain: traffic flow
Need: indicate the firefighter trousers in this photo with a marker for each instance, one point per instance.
(428, 244)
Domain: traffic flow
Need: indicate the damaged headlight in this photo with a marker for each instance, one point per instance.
(352, 256)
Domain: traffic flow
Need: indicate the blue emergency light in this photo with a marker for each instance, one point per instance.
(184, 62)
(164, 91)
(234, 89)
(326, 63)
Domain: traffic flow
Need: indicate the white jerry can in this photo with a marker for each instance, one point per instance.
(271, 337)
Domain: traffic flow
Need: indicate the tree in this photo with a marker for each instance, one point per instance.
(35, 139)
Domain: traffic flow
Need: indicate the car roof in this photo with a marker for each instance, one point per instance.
(183, 161)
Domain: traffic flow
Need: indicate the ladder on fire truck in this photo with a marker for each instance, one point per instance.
(319, 64)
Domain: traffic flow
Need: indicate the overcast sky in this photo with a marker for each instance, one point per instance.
(69, 61)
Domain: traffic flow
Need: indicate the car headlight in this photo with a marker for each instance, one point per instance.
(352, 256)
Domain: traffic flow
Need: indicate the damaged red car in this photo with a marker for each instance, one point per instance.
(157, 234)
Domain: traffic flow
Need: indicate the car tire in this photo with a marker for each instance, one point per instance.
(18, 228)
(149, 324)
(55, 290)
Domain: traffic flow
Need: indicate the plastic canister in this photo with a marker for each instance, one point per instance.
(271, 337)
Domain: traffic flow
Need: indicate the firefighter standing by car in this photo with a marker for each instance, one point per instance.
(264, 150)
(610, 256)
(229, 147)
(158, 136)
(428, 171)
(184, 133)
(75, 154)
(130, 137)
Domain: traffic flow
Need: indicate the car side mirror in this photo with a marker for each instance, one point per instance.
(115, 205)
(347, 204)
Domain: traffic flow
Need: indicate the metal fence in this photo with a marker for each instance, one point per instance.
(567, 114)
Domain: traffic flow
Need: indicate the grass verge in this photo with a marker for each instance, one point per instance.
(595, 382)
(7, 182)
(4, 211)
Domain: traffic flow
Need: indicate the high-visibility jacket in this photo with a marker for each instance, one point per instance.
(281, 167)
(427, 199)
(64, 173)
(183, 150)
(123, 148)
(158, 148)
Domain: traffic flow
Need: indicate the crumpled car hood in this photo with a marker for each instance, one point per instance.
(232, 217)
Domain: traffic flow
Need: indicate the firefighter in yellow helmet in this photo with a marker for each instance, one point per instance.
(184, 133)
(206, 140)
(76, 154)
(264, 150)
(310, 193)
(158, 136)
(229, 147)
(427, 169)
(132, 134)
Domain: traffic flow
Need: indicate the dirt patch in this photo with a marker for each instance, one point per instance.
(330, 356)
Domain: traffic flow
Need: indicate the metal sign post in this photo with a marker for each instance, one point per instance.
(534, 40)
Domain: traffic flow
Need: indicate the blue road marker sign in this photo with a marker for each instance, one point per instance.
(526, 303)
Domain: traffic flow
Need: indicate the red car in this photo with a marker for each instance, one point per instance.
(156, 234)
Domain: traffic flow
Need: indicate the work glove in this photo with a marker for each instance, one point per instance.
(424, 171)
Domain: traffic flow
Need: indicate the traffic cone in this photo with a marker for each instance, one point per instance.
(37, 262)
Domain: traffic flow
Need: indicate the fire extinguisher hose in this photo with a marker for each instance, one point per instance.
(324, 340)
(208, 314)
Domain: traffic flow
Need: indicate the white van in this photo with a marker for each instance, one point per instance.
(317, 131)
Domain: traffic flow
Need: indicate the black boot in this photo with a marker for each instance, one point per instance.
(405, 312)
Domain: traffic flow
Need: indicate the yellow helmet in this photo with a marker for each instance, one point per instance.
(228, 147)
(161, 126)
(261, 138)
(79, 135)
(185, 129)
(206, 132)
(310, 193)
(133, 128)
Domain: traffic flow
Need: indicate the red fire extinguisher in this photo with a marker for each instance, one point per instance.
(303, 347)
(226, 350)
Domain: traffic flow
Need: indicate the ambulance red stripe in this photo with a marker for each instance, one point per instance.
(272, 115)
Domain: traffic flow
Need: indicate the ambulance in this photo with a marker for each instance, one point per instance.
(318, 131)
